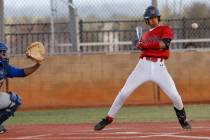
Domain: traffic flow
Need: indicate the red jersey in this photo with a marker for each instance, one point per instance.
(156, 34)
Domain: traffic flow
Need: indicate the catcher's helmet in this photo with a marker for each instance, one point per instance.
(3, 51)
(3, 47)
(151, 12)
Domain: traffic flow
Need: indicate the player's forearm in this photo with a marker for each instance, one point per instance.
(153, 45)
(156, 45)
(162, 45)
(165, 43)
(29, 70)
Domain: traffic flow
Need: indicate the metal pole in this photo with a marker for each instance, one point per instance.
(52, 43)
(73, 26)
(174, 7)
(155, 86)
(154, 3)
(2, 36)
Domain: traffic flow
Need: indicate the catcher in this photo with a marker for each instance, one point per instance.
(10, 101)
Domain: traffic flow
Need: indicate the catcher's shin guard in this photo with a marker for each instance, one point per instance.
(2, 129)
(181, 115)
(104, 122)
(10, 110)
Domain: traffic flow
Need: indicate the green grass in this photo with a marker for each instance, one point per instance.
(93, 115)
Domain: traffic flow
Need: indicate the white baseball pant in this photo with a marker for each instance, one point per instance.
(5, 100)
(144, 71)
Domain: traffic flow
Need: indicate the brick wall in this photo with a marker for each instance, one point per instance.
(95, 79)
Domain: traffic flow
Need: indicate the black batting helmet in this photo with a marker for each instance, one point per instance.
(151, 12)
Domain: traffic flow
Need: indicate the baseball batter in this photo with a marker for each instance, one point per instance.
(10, 101)
(154, 45)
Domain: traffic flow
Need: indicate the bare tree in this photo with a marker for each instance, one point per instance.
(197, 9)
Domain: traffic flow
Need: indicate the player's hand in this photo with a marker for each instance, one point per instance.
(140, 45)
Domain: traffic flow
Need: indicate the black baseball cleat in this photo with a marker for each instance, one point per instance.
(104, 122)
(185, 125)
(181, 115)
(2, 129)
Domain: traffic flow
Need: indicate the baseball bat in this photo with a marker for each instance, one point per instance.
(138, 32)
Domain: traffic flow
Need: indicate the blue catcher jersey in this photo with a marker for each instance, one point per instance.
(8, 71)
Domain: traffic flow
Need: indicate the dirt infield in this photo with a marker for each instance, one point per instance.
(122, 131)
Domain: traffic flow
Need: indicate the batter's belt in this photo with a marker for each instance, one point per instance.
(153, 59)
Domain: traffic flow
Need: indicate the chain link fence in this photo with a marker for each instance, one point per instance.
(100, 21)
(28, 11)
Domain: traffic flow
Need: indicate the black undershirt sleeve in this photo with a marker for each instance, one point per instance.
(167, 42)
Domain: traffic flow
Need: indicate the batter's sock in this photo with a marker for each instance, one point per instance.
(181, 115)
(109, 119)
(104, 122)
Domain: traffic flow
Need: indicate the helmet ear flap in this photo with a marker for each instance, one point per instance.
(159, 19)
(146, 21)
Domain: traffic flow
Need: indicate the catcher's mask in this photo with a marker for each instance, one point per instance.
(151, 12)
(3, 73)
(3, 62)
(3, 51)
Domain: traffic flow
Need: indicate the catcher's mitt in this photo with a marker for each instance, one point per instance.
(36, 51)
